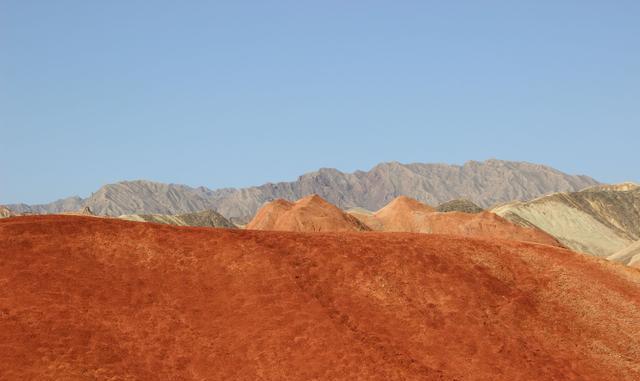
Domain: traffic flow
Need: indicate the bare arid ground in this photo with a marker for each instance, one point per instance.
(309, 214)
(405, 214)
(208, 218)
(89, 298)
(601, 220)
(630, 255)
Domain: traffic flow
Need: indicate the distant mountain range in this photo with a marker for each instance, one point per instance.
(484, 183)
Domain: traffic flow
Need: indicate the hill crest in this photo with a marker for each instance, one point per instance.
(309, 214)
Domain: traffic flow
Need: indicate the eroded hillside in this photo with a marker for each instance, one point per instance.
(599, 221)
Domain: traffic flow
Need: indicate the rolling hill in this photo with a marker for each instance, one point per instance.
(405, 214)
(106, 299)
(599, 221)
(309, 214)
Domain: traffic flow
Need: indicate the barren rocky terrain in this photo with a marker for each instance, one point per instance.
(462, 205)
(599, 221)
(405, 214)
(630, 255)
(207, 218)
(106, 299)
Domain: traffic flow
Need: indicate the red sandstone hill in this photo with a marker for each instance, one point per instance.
(405, 214)
(309, 214)
(486, 225)
(104, 299)
(402, 214)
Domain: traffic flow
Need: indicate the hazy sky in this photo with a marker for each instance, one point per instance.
(236, 93)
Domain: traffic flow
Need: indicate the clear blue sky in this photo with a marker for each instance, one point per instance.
(237, 93)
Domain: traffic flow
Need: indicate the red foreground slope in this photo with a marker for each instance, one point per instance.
(88, 298)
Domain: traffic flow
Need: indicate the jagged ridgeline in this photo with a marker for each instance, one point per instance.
(483, 183)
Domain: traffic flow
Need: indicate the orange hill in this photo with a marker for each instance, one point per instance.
(485, 225)
(104, 299)
(405, 214)
(309, 214)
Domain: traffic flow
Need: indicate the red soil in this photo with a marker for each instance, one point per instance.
(309, 214)
(485, 225)
(405, 204)
(402, 214)
(90, 298)
(408, 215)
(267, 217)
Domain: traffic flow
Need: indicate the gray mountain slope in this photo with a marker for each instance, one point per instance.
(206, 218)
(484, 183)
(63, 205)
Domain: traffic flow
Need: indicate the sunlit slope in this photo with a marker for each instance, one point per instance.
(105, 299)
(599, 221)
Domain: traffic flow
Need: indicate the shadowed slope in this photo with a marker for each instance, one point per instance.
(309, 214)
(89, 298)
(460, 205)
(205, 218)
(367, 217)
